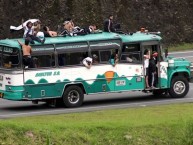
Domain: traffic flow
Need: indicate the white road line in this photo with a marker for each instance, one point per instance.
(180, 52)
(91, 108)
(184, 57)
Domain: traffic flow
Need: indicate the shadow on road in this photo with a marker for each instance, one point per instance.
(96, 102)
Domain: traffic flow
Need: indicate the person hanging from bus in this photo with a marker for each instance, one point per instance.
(146, 66)
(95, 59)
(114, 59)
(153, 69)
(27, 50)
(87, 62)
(29, 33)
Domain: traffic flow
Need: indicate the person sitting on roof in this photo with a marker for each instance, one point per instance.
(48, 33)
(74, 30)
(91, 29)
(108, 24)
(36, 27)
(67, 28)
(29, 33)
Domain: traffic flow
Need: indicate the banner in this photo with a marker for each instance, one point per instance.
(24, 24)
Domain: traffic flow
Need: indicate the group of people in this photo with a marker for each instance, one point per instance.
(150, 67)
(88, 61)
(70, 29)
(33, 32)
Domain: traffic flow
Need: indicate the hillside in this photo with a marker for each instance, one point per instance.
(172, 17)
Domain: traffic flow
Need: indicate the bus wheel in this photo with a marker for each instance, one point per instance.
(73, 96)
(179, 87)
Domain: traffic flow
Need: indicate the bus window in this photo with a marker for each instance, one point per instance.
(131, 53)
(10, 58)
(131, 48)
(130, 58)
(71, 58)
(105, 56)
(41, 61)
(97, 56)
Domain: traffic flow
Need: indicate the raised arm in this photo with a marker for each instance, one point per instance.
(22, 21)
(19, 42)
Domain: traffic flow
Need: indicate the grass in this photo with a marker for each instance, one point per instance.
(181, 47)
(170, 124)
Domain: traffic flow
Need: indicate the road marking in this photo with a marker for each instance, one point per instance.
(184, 57)
(86, 109)
(180, 52)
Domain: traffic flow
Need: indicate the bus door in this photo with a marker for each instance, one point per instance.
(162, 69)
(130, 69)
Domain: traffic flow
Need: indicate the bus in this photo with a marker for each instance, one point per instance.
(59, 77)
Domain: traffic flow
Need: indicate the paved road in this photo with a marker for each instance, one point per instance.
(10, 109)
(185, 54)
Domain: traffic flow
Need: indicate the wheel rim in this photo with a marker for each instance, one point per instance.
(179, 87)
(73, 97)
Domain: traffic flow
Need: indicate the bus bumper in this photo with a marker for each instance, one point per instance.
(17, 96)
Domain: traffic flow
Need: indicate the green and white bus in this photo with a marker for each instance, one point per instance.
(60, 77)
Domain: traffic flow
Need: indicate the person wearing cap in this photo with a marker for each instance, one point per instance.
(87, 62)
(153, 69)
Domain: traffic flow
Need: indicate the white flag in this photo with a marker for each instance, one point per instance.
(24, 24)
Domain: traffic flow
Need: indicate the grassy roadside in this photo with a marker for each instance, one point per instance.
(181, 47)
(170, 124)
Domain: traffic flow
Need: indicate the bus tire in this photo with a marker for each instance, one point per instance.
(73, 96)
(179, 87)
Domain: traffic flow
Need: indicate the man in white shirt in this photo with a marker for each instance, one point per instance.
(146, 66)
(87, 62)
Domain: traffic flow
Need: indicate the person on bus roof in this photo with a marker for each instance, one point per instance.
(27, 50)
(48, 33)
(29, 33)
(108, 24)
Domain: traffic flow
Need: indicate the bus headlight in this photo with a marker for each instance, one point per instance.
(1, 95)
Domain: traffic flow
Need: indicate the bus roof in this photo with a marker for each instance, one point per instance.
(135, 37)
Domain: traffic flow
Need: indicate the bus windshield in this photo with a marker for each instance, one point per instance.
(9, 58)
